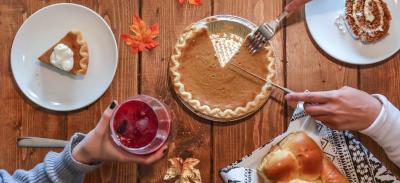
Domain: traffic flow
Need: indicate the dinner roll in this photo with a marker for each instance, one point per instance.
(297, 158)
(330, 173)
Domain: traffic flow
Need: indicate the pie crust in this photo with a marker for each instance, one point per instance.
(74, 40)
(228, 112)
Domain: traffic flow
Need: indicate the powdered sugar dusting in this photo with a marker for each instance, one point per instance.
(226, 45)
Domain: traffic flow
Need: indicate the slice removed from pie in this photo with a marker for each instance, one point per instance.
(69, 54)
(214, 89)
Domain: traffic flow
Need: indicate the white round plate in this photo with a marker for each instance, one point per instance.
(52, 88)
(320, 18)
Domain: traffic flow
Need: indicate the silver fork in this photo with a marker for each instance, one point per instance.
(265, 32)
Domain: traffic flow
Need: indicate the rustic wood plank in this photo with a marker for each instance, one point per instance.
(37, 121)
(20, 117)
(324, 73)
(233, 141)
(190, 136)
(118, 15)
(309, 68)
(321, 72)
(384, 79)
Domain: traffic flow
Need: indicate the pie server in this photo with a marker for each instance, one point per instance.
(40, 142)
(272, 83)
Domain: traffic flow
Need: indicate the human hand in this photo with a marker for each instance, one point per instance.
(343, 109)
(98, 145)
(295, 4)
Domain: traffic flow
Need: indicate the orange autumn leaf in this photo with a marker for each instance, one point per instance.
(194, 2)
(142, 37)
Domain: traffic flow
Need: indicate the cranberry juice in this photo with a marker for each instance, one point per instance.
(135, 124)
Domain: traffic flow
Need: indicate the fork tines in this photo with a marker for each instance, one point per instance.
(256, 41)
(264, 33)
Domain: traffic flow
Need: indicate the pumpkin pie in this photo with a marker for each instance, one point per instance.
(214, 89)
(73, 45)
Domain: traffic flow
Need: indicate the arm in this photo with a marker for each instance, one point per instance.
(352, 109)
(295, 4)
(56, 167)
(385, 130)
(83, 154)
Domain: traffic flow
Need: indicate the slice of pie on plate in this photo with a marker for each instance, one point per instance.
(217, 90)
(69, 54)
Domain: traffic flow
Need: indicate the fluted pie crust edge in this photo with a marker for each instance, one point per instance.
(83, 51)
(240, 111)
(74, 40)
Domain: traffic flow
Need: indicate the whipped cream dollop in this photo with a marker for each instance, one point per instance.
(339, 23)
(62, 57)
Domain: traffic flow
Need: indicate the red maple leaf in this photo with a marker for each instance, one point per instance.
(194, 2)
(142, 37)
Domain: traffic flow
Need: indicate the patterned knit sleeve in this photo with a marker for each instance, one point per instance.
(385, 130)
(56, 167)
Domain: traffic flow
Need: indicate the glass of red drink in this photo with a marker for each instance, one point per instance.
(140, 125)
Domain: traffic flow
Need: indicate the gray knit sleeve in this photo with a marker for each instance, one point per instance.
(56, 167)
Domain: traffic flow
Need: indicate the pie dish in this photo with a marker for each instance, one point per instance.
(216, 89)
(73, 40)
(368, 20)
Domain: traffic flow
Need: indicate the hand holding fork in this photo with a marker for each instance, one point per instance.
(266, 31)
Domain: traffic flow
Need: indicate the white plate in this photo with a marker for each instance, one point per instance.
(320, 18)
(49, 87)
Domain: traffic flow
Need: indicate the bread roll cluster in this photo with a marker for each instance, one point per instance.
(297, 159)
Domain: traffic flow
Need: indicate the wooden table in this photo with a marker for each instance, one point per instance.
(301, 65)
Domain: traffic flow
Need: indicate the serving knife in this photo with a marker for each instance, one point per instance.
(40, 142)
(255, 75)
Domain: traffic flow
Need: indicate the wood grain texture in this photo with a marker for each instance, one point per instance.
(383, 79)
(190, 136)
(20, 117)
(118, 15)
(300, 65)
(308, 67)
(233, 141)
(321, 72)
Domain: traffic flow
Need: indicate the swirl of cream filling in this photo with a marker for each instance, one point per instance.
(369, 16)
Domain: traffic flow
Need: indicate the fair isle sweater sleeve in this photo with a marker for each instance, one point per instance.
(385, 130)
(56, 167)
